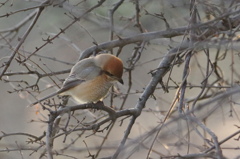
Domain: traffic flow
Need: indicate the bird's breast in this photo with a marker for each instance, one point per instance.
(91, 90)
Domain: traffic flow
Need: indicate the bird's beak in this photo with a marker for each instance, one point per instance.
(121, 81)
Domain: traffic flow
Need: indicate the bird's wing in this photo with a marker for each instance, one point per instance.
(81, 72)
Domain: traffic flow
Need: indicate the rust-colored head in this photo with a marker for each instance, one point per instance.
(111, 65)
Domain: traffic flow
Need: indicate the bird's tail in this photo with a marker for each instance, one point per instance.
(44, 98)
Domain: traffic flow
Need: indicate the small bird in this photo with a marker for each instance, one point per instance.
(90, 79)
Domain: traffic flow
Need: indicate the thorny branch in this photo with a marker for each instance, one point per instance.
(23, 38)
(200, 35)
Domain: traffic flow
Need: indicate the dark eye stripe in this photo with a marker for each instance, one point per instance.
(109, 74)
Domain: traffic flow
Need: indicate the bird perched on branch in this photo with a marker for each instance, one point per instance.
(90, 79)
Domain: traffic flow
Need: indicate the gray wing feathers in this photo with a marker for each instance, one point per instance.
(83, 70)
(80, 72)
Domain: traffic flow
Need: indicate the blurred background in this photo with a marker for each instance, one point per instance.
(177, 137)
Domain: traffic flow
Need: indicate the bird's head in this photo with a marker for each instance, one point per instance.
(111, 65)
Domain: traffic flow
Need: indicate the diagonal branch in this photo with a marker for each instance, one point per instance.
(23, 38)
(219, 25)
